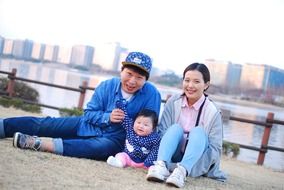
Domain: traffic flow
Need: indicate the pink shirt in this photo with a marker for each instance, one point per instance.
(188, 115)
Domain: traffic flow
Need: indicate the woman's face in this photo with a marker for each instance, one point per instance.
(193, 86)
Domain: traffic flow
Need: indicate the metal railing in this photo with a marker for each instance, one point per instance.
(268, 124)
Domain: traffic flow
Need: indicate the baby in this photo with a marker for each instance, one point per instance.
(142, 140)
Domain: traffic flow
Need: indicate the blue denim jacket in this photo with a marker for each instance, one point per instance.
(96, 119)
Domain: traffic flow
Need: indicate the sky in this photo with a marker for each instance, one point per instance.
(174, 33)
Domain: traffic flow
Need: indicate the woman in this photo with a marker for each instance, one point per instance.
(193, 133)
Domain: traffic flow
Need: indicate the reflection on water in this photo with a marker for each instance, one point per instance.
(251, 134)
(50, 74)
(242, 133)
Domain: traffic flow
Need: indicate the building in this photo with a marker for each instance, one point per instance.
(218, 71)
(264, 78)
(22, 49)
(234, 76)
(2, 40)
(122, 56)
(7, 47)
(275, 78)
(225, 74)
(37, 52)
(108, 56)
(253, 76)
(82, 55)
(64, 55)
(50, 53)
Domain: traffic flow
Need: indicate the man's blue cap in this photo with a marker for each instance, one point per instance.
(139, 60)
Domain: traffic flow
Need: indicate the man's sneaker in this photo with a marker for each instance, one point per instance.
(158, 172)
(26, 141)
(114, 162)
(178, 177)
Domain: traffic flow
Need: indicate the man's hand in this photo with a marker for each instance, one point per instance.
(117, 115)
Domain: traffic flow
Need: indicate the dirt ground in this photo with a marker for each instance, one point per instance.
(25, 169)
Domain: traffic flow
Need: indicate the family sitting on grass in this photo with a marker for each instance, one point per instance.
(120, 125)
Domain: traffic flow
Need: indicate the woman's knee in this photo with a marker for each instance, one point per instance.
(175, 129)
(198, 133)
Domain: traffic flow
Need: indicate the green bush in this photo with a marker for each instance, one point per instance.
(22, 90)
(229, 148)
(19, 104)
(4, 102)
(3, 83)
(64, 112)
(31, 108)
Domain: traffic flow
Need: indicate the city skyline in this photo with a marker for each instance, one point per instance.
(230, 77)
(173, 33)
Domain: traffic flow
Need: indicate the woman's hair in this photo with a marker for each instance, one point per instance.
(199, 67)
(202, 68)
(151, 114)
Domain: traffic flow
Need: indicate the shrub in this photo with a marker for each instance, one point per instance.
(231, 148)
(19, 104)
(31, 108)
(22, 92)
(4, 102)
(64, 112)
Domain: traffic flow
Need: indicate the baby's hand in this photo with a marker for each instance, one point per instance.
(121, 104)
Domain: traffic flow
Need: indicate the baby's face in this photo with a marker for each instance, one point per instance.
(143, 126)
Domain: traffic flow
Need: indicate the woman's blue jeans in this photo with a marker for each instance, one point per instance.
(170, 149)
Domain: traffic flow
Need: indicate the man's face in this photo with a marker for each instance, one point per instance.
(131, 81)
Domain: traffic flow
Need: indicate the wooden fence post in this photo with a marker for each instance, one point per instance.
(265, 138)
(11, 83)
(82, 94)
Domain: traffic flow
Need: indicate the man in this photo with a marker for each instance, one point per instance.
(98, 133)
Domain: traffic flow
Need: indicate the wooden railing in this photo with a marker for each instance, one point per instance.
(268, 124)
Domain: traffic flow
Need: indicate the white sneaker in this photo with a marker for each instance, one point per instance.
(114, 162)
(177, 178)
(158, 172)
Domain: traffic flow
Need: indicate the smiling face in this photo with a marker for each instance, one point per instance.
(131, 81)
(143, 126)
(193, 86)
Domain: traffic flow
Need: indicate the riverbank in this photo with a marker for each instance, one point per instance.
(224, 98)
(234, 100)
(25, 169)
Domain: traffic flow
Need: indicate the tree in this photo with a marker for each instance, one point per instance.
(169, 79)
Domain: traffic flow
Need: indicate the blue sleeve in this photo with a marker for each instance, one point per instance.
(96, 112)
(127, 122)
(152, 156)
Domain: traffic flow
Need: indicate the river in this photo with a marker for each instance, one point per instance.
(243, 133)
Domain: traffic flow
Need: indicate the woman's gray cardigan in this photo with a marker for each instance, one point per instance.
(209, 163)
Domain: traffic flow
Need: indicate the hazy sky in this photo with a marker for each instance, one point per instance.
(174, 33)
